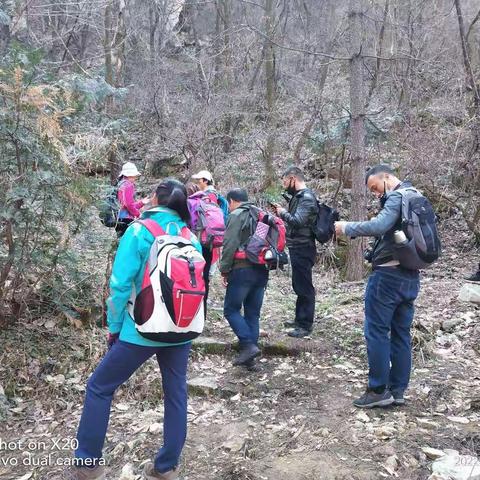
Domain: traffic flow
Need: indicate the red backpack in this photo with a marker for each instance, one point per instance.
(266, 244)
(169, 307)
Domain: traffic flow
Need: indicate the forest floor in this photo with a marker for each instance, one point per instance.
(292, 420)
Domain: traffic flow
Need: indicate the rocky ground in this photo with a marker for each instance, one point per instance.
(291, 420)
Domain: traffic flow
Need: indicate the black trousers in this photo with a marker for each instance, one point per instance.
(207, 255)
(122, 226)
(302, 260)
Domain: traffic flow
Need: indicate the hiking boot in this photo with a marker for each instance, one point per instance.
(371, 399)
(299, 332)
(247, 353)
(86, 473)
(252, 366)
(398, 398)
(149, 473)
(290, 324)
(474, 278)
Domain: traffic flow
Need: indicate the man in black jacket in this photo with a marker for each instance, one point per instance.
(299, 219)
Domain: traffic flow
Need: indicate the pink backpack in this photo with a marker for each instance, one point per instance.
(169, 306)
(207, 219)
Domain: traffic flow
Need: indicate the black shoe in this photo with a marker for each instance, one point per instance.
(299, 332)
(398, 398)
(252, 366)
(474, 278)
(290, 324)
(371, 399)
(247, 353)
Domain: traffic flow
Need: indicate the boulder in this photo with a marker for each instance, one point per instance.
(433, 453)
(470, 292)
(202, 385)
(128, 473)
(450, 324)
(457, 467)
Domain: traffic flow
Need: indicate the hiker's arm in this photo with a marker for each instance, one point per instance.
(379, 225)
(307, 207)
(127, 264)
(128, 201)
(231, 242)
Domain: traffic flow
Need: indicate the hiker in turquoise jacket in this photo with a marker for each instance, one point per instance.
(128, 350)
(129, 265)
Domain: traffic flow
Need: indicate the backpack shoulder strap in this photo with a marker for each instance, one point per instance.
(152, 226)
(407, 191)
(250, 218)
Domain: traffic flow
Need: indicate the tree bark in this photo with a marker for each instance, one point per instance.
(119, 43)
(467, 64)
(357, 136)
(381, 38)
(311, 121)
(154, 17)
(474, 107)
(269, 151)
(4, 36)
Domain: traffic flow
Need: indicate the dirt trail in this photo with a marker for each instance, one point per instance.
(291, 420)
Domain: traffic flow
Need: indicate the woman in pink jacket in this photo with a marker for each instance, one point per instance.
(129, 207)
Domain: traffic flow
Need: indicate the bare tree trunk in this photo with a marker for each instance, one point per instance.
(327, 39)
(107, 45)
(474, 107)
(357, 136)
(311, 121)
(269, 152)
(154, 17)
(381, 37)
(218, 35)
(119, 43)
(4, 35)
(469, 75)
(227, 22)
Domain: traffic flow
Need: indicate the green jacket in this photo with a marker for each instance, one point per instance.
(237, 233)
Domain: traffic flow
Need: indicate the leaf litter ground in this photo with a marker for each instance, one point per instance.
(293, 419)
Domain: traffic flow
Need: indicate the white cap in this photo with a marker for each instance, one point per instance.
(129, 170)
(203, 174)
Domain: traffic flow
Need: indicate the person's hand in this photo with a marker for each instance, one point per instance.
(340, 228)
(279, 209)
(111, 339)
(146, 200)
(225, 279)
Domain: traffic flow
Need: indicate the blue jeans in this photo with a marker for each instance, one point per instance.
(389, 313)
(118, 365)
(246, 287)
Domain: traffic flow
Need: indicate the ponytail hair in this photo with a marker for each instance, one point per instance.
(172, 194)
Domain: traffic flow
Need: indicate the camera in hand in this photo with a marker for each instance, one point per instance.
(369, 251)
(368, 254)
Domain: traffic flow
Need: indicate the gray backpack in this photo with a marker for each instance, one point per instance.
(419, 223)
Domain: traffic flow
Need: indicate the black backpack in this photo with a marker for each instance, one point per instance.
(324, 227)
(109, 206)
(419, 223)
